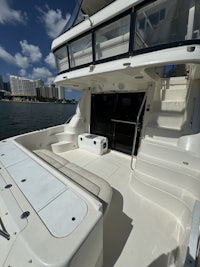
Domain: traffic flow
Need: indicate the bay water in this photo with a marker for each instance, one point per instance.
(22, 117)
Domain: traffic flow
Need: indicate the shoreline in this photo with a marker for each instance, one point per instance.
(37, 102)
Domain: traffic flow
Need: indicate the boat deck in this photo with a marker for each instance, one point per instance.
(110, 166)
(137, 232)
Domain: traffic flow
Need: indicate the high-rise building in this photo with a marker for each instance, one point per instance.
(6, 86)
(53, 91)
(61, 92)
(1, 83)
(39, 83)
(22, 86)
(48, 92)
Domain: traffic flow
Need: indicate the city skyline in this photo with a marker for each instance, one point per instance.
(27, 30)
(31, 90)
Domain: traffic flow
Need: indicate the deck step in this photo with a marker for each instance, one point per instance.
(181, 194)
(174, 93)
(180, 80)
(171, 105)
(169, 178)
(66, 137)
(163, 135)
(63, 146)
(160, 197)
(168, 120)
(170, 154)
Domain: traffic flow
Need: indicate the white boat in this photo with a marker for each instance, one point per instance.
(119, 184)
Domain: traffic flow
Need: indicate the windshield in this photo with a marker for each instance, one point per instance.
(76, 17)
(90, 7)
(82, 8)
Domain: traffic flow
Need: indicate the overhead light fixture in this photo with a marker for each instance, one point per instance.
(139, 77)
(127, 64)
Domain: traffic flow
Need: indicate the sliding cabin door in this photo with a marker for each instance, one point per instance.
(114, 116)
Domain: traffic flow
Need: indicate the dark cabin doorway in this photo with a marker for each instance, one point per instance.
(114, 115)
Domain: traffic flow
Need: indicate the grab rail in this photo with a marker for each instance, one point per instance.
(122, 121)
(137, 127)
(69, 119)
(193, 246)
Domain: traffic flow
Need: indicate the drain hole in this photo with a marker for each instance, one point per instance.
(25, 214)
(8, 186)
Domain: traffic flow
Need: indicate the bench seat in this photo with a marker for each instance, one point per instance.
(89, 181)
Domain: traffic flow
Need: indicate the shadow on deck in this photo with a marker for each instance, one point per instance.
(117, 229)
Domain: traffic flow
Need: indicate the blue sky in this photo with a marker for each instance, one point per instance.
(27, 29)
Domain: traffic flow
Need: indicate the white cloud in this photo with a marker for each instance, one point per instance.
(50, 60)
(22, 72)
(6, 56)
(40, 73)
(21, 61)
(31, 51)
(18, 59)
(50, 80)
(53, 20)
(29, 54)
(9, 15)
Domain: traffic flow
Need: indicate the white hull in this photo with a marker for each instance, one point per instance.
(137, 203)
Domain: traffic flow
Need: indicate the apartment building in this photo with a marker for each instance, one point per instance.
(22, 87)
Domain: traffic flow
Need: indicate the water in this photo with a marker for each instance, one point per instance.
(17, 118)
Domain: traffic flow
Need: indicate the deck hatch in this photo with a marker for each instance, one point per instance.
(64, 214)
(60, 209)
(40, 186)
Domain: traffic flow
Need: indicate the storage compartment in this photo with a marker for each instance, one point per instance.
(93, 143)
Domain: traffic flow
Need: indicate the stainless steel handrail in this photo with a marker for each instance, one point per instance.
(193, 244)
(126, 122)
(137, 127)
(69, 119)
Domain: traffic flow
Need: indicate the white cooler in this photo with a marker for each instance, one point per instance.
(93, 143)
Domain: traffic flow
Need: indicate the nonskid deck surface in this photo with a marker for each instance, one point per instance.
(138, 232)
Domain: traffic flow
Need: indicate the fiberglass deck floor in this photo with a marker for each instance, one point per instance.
(137, 232)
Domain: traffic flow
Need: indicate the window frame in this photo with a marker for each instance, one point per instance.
(132, 12)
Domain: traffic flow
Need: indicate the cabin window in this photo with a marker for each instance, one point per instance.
(80, 51)
(161, 22)
(61, 57)
(113, 39)
(152, 26)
